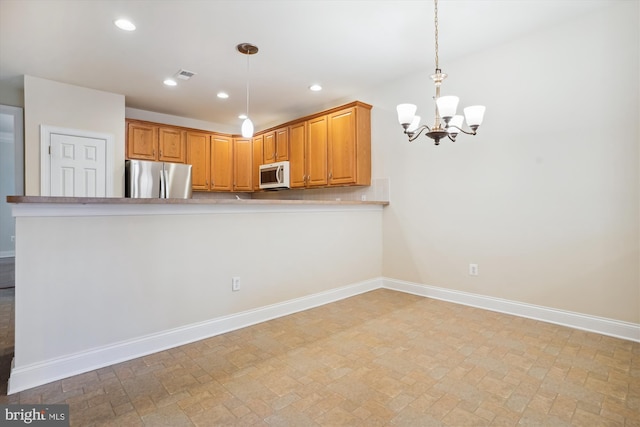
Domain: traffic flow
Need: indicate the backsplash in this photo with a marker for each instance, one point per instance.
(378, 191)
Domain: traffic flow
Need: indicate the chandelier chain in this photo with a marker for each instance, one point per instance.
(435, 21)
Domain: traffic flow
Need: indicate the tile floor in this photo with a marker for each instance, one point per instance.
(382, 358)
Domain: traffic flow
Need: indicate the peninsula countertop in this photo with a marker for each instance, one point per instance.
(196, 201)
(91, 206)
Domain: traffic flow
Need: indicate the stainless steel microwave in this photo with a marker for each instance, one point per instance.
(274, 176)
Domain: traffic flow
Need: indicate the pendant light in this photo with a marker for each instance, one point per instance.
(247, 125)
(445, 109)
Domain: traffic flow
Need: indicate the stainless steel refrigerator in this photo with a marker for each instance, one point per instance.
(145, 179)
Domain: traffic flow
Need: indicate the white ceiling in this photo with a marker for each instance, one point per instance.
(346, 46)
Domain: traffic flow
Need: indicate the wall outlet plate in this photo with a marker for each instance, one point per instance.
(473, 269)
(235, 284)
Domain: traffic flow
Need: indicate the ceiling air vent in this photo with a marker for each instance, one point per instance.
(185, 75)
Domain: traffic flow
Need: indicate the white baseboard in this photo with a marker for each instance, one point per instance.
(600, 325)
(26, 377)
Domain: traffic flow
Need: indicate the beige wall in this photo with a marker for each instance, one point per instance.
(61, 105)
(546, 198)
(11, 92)
(130, 276)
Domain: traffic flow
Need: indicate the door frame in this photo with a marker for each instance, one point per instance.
(45, 158)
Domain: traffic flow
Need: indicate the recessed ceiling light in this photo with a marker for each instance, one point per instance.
(315, 88)
(223, 95)
(170, 82)
(125, 24)
(242, 116)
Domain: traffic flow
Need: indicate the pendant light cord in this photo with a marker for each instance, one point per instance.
(247, 86)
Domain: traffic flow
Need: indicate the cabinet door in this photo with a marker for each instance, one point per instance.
(142, 141)
(317, 152)
(242, 165)
(282, 144)
(221, 163)
(257, 161)
(199, 157)
(171, 145)
(297, 142)
(269, 147)
(342, 147)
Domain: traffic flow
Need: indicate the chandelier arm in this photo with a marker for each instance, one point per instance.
(473, 132)
(416, 133)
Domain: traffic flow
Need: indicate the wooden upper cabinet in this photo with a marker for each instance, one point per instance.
(171, 145)
(330, 148)
(149, 141)
(316, 162)
(142, 141)
(221, 163)
(276, 145)
(342, 147)
(242, 165)
(297, 157)
(257, 143)
(349, 146)
(269, 147)
(282, 144)
(199, 157)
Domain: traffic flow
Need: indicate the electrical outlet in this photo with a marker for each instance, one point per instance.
(235, 284)
(363, 197)
(473, 269)
(13, 239)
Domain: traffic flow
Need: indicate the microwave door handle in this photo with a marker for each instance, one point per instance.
(280, 174)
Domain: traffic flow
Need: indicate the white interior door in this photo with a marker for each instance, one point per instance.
(77, 166)
(75, 163)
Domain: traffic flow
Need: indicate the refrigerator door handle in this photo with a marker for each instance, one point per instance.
(163, 183)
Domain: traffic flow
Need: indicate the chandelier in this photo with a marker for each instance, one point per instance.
(247, 49)
(445, 109)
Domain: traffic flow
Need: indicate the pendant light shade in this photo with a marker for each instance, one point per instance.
(247, 128)
(247, 125)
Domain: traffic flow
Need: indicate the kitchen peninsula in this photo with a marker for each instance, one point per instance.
(103, 280)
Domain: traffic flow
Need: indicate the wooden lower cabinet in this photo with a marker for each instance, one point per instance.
(242, 165)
